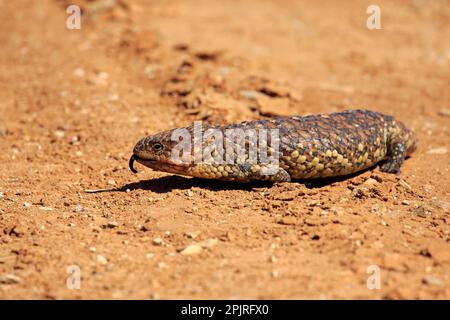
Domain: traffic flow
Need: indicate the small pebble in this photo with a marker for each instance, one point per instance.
(441, 150)
(17, 231)
(315, 221)
(9, 279)
(432, 281)
(286, 196)
(445, 112)
(147, 226)
(423, 210)
(155, 296)
(404, 184)
(148, 71)
(75, 140)
(287, 221)
(46, 209)
(103, 75)
(370, 182)
(112, 224)
(360, 192)
(102, 259)
(191, 249)
(192, 234)
(207, 244)
(79, 72)
(312, 202)
(79, 208)
(59, 133)
(27, 205)
(249, 94)
(158, 241)
(113, 97)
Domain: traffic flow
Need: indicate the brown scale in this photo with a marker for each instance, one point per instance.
(310, 147)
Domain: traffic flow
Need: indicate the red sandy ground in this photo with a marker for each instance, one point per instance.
(74, 102)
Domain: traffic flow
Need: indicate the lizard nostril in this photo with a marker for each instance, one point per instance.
(140, 145)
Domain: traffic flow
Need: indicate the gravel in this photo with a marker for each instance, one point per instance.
(191, 249)
(158, 241)
(440, 150)
(432, 281)
(249, 94)
(9, 279)
(102, 259)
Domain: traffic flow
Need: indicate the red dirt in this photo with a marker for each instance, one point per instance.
(74, 103)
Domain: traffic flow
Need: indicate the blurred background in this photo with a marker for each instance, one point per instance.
(74, 101)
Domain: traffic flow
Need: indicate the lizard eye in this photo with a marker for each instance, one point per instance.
(158, 147)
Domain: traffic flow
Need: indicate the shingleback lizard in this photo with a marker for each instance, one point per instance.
(309, 147)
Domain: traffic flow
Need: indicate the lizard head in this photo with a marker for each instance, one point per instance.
(155, 152)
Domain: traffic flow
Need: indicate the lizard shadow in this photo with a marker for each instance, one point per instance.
(169, 183)
(173, 182)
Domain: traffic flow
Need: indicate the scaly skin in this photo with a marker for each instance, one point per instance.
(315, 146)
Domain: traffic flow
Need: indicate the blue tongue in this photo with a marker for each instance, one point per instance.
(130, 164)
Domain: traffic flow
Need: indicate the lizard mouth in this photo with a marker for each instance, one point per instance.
(134, 158)
(157, 164)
